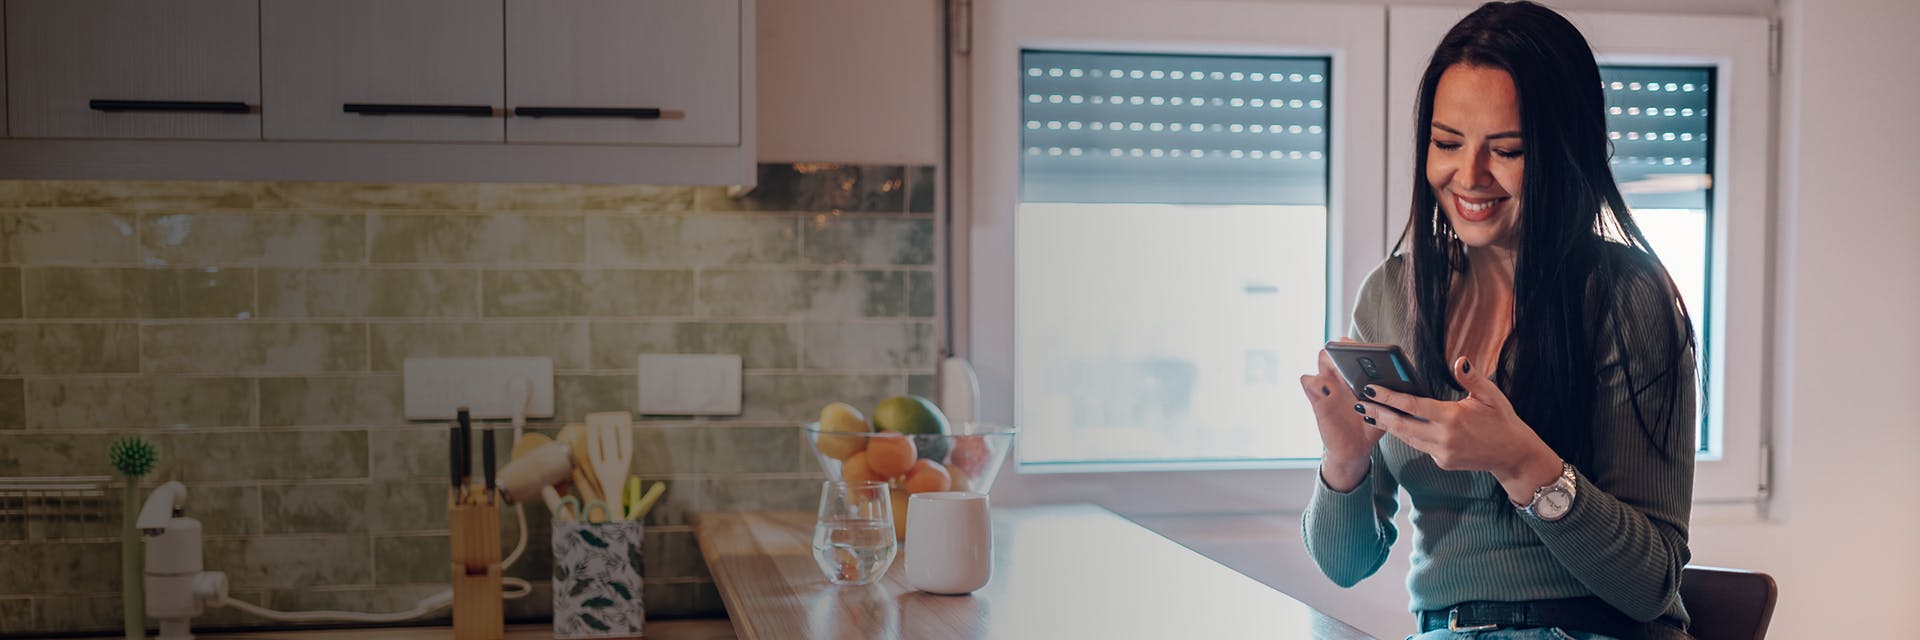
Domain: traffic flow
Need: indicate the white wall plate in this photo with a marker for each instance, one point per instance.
(437, 387)
(689, 385)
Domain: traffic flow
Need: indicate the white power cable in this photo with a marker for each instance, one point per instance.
(420, 609)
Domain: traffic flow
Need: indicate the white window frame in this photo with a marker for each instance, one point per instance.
(1354, 37)
(1742, 202)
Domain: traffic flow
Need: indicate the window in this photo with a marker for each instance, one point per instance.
(1151, 186)
(1692, 165)
(1659, 119)
(1125, 311)
(1095, 231)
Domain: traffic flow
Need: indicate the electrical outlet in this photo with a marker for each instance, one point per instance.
(689, 385)
(436, 388)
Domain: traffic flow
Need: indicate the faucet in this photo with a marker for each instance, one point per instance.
(177, 587)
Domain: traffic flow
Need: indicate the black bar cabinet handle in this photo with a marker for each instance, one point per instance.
(366, 109)
(641, 113)
(168, 105)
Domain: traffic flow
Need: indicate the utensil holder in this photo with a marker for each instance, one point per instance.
(597, 579)
(477, 613)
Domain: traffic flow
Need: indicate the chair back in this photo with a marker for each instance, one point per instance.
(1727, 604)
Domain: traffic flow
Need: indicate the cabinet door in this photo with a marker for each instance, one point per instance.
(594, 65)
(423, 70)
(133, 68)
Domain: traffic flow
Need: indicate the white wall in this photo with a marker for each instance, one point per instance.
(849, 81)
(1845, 540)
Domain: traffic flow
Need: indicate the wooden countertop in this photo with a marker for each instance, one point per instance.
(1074, 571)
(661, 630)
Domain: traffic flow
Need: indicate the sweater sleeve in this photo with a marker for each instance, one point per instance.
(1625, 538)
(1349, 535)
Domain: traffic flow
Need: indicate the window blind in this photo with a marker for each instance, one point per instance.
(1658, 119)
(1174, 129)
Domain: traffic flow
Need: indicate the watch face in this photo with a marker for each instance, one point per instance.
(1554, 503)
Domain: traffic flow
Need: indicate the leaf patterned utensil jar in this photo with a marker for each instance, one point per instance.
(596, 580)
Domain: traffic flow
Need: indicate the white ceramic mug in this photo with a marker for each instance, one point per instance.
(949, 542)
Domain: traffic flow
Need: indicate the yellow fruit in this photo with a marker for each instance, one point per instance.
(899, 515)
(960, 481)
(838, 418)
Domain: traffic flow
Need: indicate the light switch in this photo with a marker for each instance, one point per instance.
(436, 388)
(689, 385)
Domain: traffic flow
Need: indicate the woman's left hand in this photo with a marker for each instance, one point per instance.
(1480, 432)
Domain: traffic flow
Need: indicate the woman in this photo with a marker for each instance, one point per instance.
(1550, 470)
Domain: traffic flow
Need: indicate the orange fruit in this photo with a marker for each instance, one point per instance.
(856, 469)
(927, 475)
(890, 455)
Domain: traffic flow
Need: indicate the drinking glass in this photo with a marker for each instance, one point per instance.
(853, 542)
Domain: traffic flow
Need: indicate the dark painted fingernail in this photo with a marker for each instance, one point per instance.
(1367, 419)
(1326, 391)
(1360, 408)
(1466, 366)
(1369, 391)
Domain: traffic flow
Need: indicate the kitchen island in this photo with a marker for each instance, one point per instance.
(1074, 571)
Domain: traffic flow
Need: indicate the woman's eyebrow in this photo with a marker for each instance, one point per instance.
(1503, 134)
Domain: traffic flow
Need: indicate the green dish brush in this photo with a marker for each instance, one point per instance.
(133, 457)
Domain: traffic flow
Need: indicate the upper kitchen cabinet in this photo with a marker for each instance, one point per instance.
(625, 71)
(414, 70)
(184, 69)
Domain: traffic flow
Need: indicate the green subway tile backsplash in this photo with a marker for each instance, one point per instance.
(371, 400)
(10, 293)
(146, 194)
(254, 347)
(870, 345)
(139, 403)
(187, 239)
(564, 341)
(761, 345)
(693, 239)
(13, 403)
(868, 241)
(72, 292)
(65, 348)
(533, 293)
(48, 237)
(810, 293)
(575, 197)
(369, 293)
(503, 238)
(255, 332)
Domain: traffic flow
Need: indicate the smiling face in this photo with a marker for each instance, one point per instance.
(1476, 157)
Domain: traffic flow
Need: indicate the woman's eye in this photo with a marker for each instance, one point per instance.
(1447, 146)
(1509, 153)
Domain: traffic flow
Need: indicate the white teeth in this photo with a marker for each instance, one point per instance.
(1476, 208)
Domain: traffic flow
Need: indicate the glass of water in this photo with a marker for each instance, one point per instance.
(853, 542)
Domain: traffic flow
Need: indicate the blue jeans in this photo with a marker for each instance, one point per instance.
(1537, 633)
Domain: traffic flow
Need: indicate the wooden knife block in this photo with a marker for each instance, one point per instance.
(477, 601)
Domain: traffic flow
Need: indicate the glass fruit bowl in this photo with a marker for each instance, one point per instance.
(967, 458)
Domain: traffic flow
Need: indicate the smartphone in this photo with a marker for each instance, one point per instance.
(1381, 365)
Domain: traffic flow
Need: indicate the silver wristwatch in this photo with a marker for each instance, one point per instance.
(1552, 502)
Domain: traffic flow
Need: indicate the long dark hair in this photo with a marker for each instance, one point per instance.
(1579, 248)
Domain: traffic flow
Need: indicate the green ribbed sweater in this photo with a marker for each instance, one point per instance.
(1625, 539)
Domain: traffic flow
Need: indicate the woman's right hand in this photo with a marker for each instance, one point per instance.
(1348, 439)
